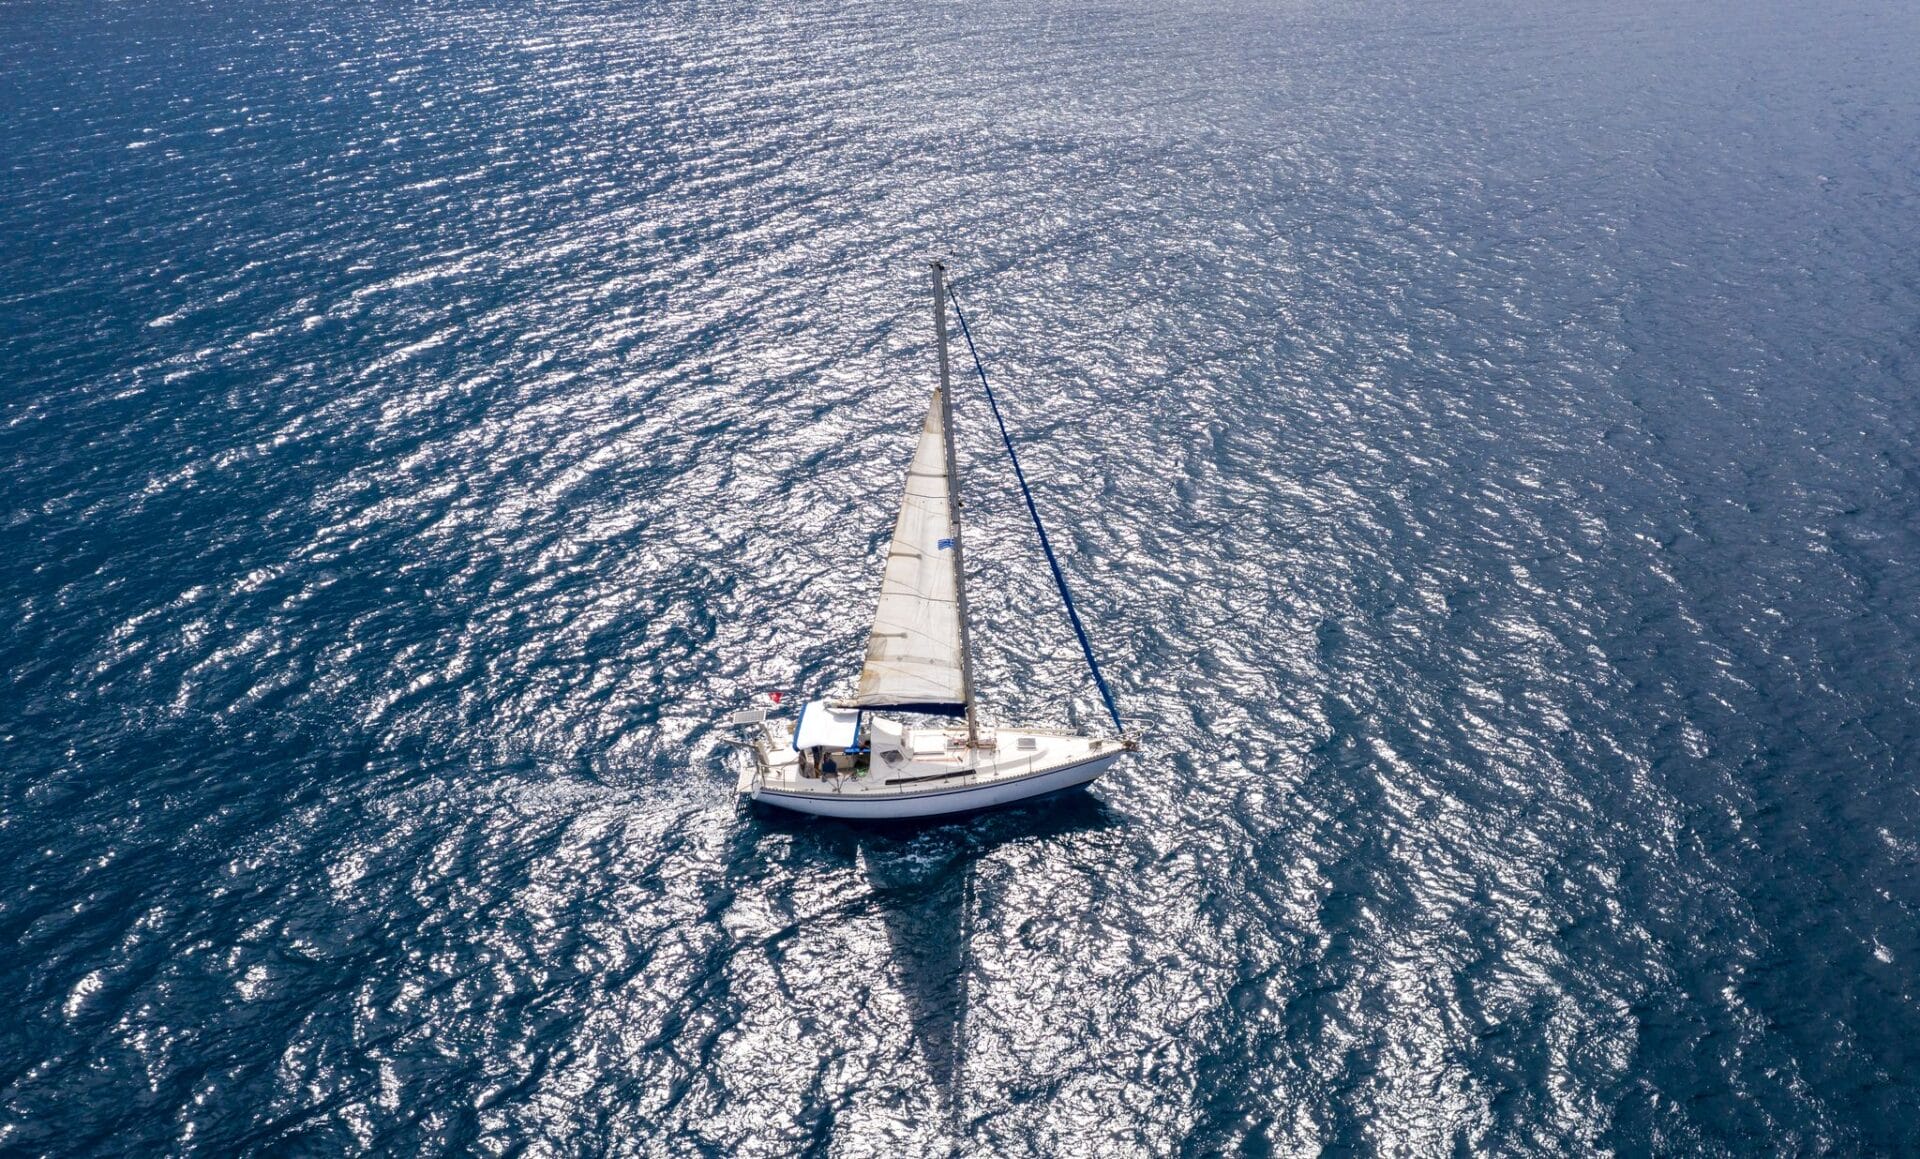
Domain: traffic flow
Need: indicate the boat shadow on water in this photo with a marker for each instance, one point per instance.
(931, 896)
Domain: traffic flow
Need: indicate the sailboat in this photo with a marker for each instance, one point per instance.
(909, 741)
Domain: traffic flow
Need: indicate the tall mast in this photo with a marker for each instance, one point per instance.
(953, 498)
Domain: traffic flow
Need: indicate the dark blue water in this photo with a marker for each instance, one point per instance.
(1484, 435)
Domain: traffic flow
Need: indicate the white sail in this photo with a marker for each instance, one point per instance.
(914, 656)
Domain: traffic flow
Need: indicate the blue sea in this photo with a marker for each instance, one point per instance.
(1481, 436)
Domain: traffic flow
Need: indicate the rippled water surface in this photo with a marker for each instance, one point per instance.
(1483, 436)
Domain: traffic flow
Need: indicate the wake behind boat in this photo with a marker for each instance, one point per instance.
(841, 758)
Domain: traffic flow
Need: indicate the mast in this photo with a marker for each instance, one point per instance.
(953, 499)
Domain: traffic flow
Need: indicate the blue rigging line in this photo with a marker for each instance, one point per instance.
(1059, 577)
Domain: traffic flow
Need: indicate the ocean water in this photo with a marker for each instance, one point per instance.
(1482, 435)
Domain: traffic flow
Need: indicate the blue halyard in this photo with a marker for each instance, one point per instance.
(1059, 577)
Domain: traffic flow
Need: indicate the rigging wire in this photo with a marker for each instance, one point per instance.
(1059, 577)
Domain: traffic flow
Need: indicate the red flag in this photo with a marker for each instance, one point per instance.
(776, 698)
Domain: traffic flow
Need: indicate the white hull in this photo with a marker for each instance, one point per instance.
(1014, 765)
(905, 806)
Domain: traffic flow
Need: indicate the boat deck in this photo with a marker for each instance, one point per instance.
(906, 762)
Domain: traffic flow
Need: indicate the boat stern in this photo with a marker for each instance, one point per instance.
(767, 752)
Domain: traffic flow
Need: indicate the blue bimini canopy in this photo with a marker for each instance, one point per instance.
(821, 726)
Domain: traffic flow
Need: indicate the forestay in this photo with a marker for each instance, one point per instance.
(914, 655)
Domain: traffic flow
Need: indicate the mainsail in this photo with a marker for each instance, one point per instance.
(916, 656)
